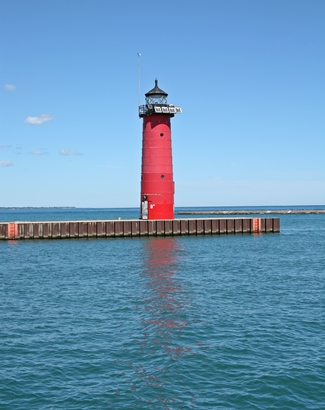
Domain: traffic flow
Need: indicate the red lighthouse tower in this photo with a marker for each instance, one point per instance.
(157, 185)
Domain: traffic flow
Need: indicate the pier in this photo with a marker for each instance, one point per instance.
(257, 212)
(136, 228)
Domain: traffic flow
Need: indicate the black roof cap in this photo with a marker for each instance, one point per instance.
(156, 90)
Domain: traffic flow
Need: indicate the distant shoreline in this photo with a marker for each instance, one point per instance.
(37, 207)
(256, 212)
(260, 211)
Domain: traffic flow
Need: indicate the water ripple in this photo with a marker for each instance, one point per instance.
(165, 323)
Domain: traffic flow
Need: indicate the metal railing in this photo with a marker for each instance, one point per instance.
(158, 109)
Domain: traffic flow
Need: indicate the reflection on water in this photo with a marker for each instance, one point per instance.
(164, 301)
(164, 319)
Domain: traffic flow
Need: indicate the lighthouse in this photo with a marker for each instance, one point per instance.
(157, 184)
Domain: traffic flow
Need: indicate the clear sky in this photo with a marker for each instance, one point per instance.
(249, 76)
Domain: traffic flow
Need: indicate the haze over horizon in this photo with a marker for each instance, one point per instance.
(249, 77)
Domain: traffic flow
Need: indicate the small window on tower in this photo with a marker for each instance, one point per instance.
(163, 176)
(161, 134)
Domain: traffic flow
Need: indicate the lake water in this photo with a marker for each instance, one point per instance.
(229, 322)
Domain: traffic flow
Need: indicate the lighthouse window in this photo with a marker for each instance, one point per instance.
(156, 99)
(163, 176)
(161, 134)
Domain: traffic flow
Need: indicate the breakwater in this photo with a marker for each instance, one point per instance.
(136, 228)
(257, 212)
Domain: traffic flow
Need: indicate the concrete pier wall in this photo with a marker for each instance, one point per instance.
(136, 228)
(257, 212)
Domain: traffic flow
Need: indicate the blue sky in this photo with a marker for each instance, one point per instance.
(249, 76)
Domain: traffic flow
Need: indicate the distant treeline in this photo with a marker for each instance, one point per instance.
(37, 207)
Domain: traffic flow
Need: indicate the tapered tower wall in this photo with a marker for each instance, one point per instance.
(157, 184)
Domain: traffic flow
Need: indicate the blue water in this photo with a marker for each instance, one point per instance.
(75, 214)
(229, 322)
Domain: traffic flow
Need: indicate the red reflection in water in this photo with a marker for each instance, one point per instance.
(165, 303)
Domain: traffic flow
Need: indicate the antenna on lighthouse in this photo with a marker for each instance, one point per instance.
(139, 55)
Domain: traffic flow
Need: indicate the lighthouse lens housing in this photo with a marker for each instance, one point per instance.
(156, 99)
